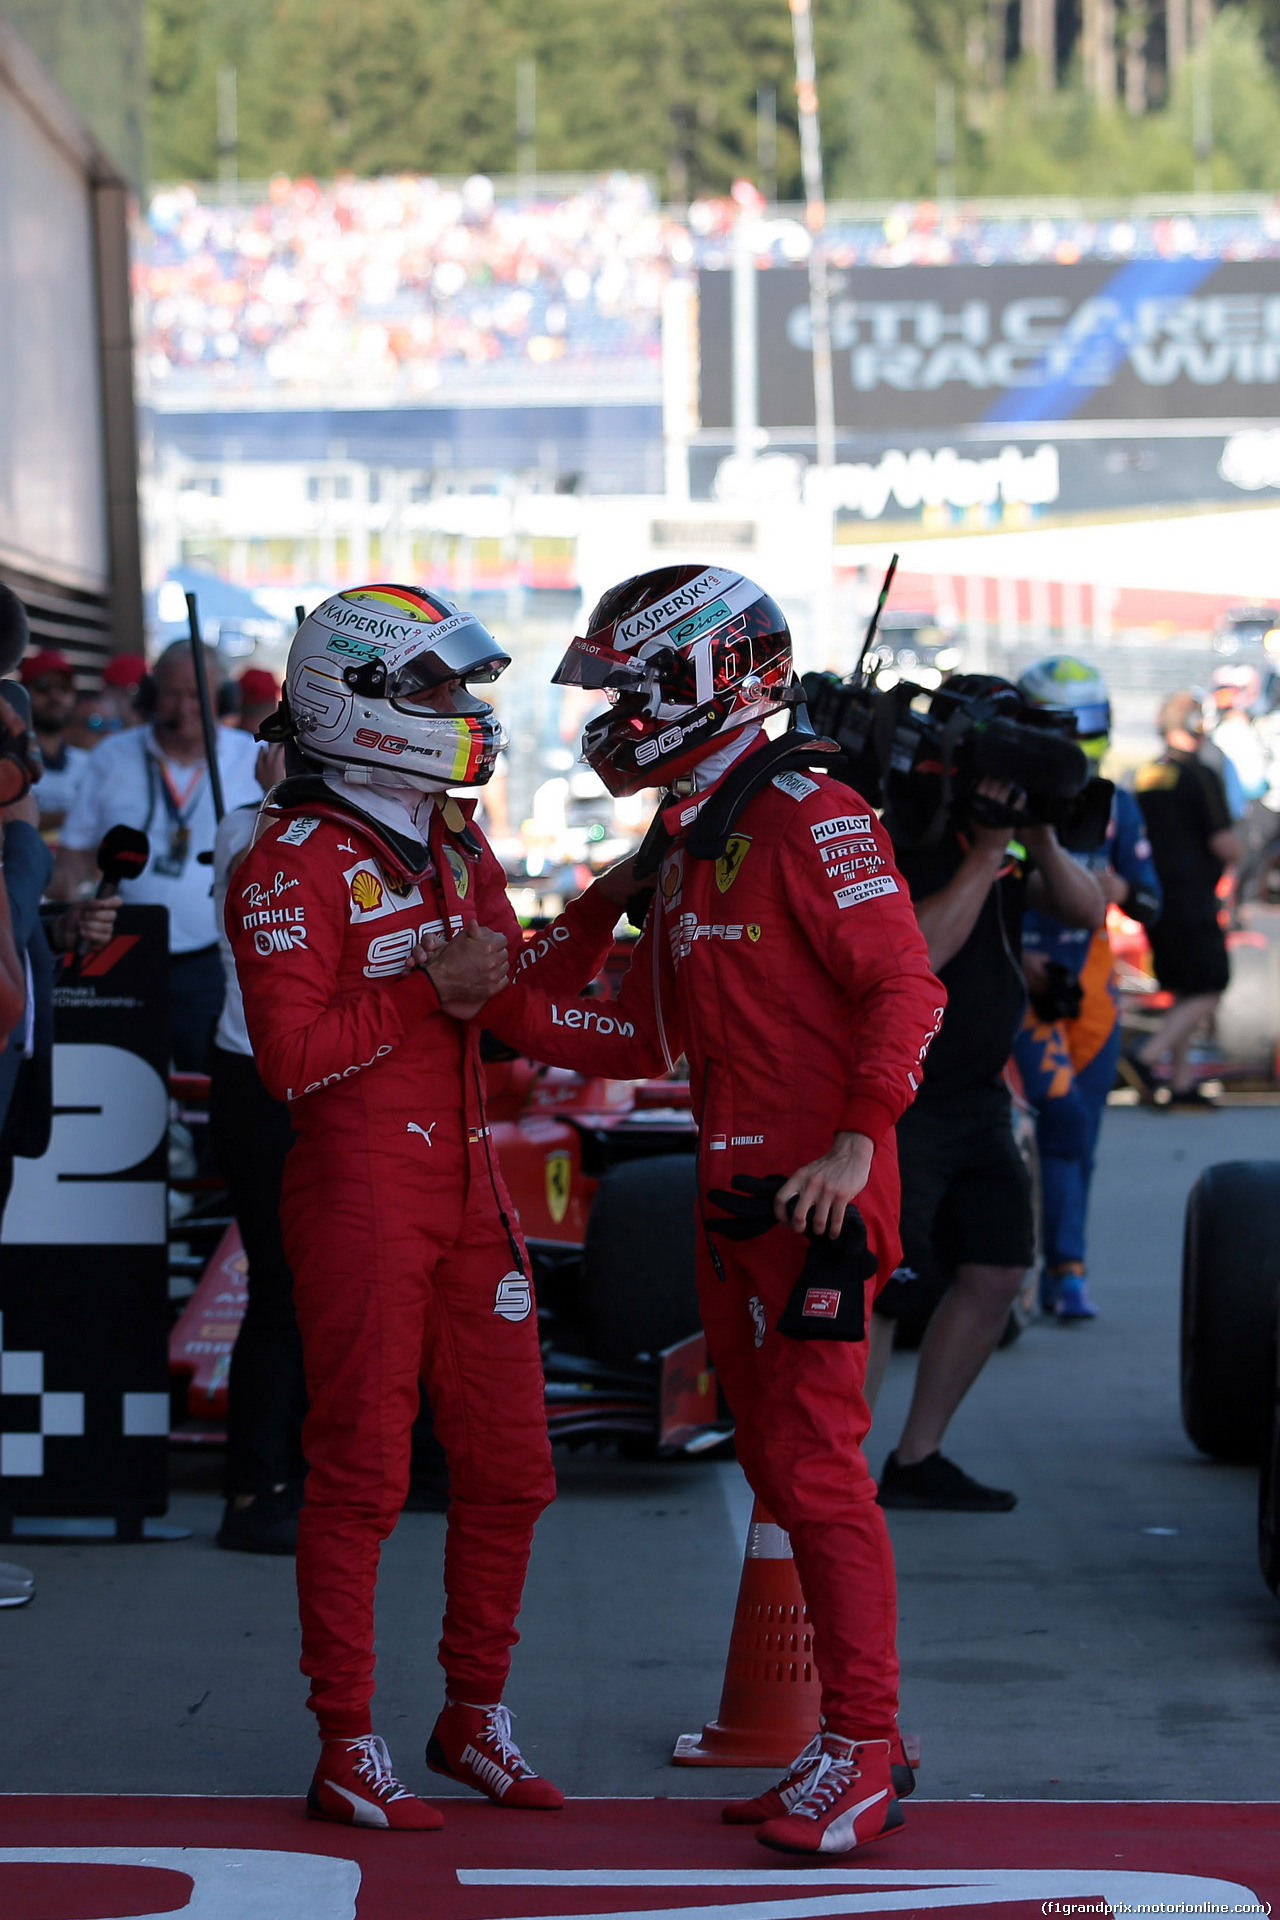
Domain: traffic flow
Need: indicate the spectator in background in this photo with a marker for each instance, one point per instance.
(93, 719)
(259, 697)
(122, 679)
(1193, 841)
(156, 778)
(49, 679)
(252, 1135)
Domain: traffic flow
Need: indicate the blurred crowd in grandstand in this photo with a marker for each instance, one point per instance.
(400, 285)
(396, 281)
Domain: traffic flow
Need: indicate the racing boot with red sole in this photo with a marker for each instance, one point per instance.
(847, 1803)
(474, 1745)
(904, 1758)
(355, 1787)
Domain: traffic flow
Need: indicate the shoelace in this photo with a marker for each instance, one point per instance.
(374, 1766)
(831, 1778)
(802, 1760)
(497, 1728)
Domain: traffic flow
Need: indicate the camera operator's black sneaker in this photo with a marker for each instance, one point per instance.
(1192, 1097)
(1137, 1074)
(939, 1484)
(269, 1524)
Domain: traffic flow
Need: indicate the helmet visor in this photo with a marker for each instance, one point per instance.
(589, 663)
(1092, 719)
(458, 649)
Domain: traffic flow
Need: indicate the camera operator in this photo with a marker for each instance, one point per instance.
(967, 1228)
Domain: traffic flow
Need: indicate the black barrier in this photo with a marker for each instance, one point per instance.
(84, 1316)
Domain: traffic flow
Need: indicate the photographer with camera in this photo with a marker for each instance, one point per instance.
(971, 780)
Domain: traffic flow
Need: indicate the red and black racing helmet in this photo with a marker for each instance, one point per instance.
(687, 656)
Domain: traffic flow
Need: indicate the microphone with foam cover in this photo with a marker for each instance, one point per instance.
(122, 854)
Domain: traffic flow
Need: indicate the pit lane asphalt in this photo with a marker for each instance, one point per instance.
(1111, 1638)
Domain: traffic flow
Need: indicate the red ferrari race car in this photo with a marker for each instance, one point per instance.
(602, 1176)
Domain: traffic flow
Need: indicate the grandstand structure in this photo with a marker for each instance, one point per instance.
(504, 391)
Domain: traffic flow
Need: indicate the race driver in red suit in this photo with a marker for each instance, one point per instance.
(406, 1258)
(782, 956)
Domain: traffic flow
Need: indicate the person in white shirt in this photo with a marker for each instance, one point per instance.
(156, 778)
(251, 1136)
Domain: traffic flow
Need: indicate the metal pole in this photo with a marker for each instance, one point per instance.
(767, 143)
(824, 405)
(746, 408)
(207, 725)
(526, 127)
(228, 133)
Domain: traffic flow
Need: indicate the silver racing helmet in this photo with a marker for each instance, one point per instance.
(361, 671)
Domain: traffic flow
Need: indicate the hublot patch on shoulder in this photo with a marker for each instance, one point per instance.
(841, 828)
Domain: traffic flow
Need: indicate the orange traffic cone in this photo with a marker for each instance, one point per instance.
(769, 1705)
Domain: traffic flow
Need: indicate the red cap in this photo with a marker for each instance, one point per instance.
(124, 670)
(257, 686)
(48, 660)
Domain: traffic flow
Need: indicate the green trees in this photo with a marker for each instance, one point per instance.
(669, 86)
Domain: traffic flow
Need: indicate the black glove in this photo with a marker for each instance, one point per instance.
(1060, 998)
(826, 1302)
(750, 1207)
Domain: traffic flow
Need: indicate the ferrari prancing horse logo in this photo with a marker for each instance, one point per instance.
(559, 1184)
(730, 861)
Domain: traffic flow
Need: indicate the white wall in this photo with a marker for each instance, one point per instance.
(52, 504)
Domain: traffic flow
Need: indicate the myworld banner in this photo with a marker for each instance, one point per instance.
(928, 348)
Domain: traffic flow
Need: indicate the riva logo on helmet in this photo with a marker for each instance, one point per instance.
(699, 622)
(355, 649)
(513, 1300)
(650, 620)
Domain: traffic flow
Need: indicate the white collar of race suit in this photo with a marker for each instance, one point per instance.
(717, 764)
(403, 809)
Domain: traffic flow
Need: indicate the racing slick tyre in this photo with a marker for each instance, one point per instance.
(1269, 1498)
(1230, 1281)
(639, 1291)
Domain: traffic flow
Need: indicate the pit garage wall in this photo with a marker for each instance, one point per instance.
(68, 466)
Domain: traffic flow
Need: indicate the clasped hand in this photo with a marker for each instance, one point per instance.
(466, 971)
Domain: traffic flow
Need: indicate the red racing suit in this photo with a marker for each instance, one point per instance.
(406, 1259)
(792, 973)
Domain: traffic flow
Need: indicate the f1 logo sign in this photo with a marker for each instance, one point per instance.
(110, 1113)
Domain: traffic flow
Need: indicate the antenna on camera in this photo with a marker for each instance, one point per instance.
(874, 622)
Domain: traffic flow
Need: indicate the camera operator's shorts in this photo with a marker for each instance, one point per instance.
(966, 1195)
(1190, 952)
